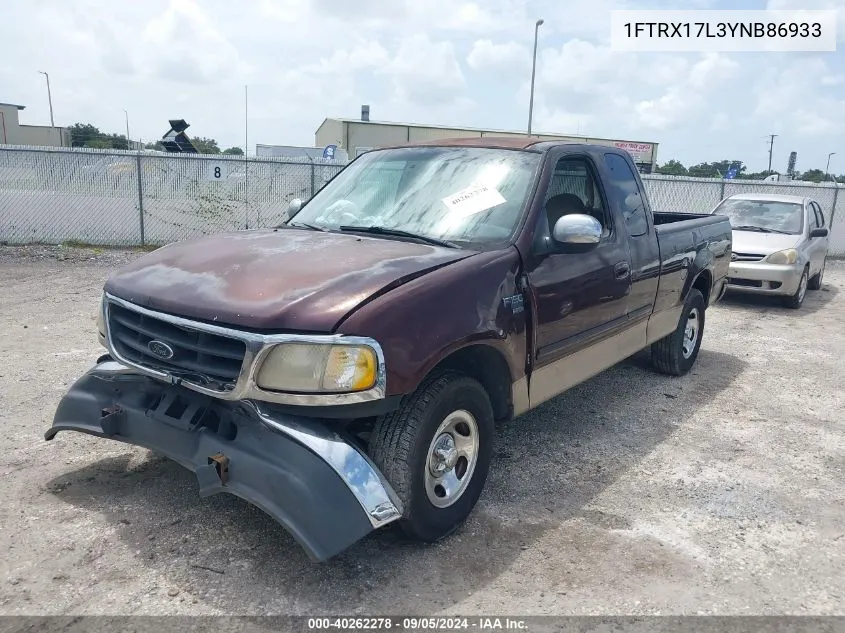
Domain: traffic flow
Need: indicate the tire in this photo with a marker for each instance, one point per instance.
(815, 282)
(403, 447)
(797, 300)
(675, 353)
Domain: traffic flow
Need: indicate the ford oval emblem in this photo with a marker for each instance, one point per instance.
(160, 349)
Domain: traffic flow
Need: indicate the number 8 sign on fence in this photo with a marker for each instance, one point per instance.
(216, 171)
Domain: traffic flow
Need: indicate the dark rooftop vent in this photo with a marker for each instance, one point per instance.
(176, 141)
(365, 113)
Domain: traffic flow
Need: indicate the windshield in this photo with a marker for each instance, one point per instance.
(455, 194)
(764, 215)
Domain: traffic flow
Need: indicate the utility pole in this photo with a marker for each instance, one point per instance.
(127, 129)
(771, 145)
(537, 25)
(827, 168)
(50, 101)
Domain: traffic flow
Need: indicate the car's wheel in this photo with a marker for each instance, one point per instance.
(797, 300)
(675, 354)
(815, 282)
(435, 451)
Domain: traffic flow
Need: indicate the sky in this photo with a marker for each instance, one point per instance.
(444, 62)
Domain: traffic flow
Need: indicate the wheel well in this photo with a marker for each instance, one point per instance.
(488, 367)
(704, 284)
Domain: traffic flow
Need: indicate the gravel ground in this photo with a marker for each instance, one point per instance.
(717, 493)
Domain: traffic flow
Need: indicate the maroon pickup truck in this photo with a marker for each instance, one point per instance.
(345, 370)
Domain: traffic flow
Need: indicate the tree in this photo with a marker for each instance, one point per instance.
(82, 133)
(812, 175)
(87, 135)
(234, 151)
(757, 175)
(205, 145)
(672, 168)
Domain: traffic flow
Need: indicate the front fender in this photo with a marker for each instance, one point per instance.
(422, 322)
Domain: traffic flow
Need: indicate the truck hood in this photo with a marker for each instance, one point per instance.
(284, 279)
(762, 243)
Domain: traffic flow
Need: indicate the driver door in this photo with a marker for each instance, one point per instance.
(580, 299)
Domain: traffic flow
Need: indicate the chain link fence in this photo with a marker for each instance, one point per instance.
(97, 197)
(121, 198)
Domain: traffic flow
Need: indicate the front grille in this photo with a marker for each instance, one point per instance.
(746, 257)
(207, 359)
(750, 283)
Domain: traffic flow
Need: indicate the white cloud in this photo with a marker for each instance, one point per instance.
(485, 55)
(425, 71)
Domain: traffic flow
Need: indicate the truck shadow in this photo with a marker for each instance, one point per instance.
(548, 467)
(814, 301)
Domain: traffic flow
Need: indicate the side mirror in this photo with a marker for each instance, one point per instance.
(819, 233)
(293, 208)
(577, 232)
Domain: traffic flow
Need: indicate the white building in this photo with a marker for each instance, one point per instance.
(13, 133)
(360, 135)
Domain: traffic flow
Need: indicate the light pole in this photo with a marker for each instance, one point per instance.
(533, 73)
(827, 167)
(127, 129)
(50, 101)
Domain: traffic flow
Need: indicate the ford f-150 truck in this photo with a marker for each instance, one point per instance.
(345, 370)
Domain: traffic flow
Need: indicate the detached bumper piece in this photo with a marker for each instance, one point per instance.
(310, 479)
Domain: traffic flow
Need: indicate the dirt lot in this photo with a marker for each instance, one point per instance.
(720, 492)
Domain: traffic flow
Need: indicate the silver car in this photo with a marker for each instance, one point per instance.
(779, 245)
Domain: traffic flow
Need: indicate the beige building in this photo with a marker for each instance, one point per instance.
(13, 133)
(360, 135)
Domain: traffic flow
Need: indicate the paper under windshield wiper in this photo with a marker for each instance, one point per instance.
(759, 229)
(383, 230)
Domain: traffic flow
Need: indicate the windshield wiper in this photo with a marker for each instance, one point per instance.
(309, 226)
(383, 230)
(760, 229)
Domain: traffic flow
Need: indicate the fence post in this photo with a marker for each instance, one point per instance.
(833, 206)
(722, 195)
(312, 179)
(140, 196)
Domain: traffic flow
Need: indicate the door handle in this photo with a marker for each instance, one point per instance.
(621, 270)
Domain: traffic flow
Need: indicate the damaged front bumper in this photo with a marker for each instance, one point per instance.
(322, 488)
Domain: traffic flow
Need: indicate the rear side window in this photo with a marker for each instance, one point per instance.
(624, 184)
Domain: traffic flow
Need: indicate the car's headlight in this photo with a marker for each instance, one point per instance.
(318, 368)
(789, 256)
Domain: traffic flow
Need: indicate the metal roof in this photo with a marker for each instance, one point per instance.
(13, 105)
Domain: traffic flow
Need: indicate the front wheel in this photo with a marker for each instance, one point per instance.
(435, 451)
(675, 354)
(797, 300)
(815, 282)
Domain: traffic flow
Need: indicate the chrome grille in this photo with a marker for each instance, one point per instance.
(207, 359)
(746, 257)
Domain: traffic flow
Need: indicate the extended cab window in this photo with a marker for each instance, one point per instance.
(573, 189)
(624, 183)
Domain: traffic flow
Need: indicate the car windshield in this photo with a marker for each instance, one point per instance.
(455, 194)
(765, 216)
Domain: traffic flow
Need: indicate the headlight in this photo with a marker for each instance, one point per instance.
(315, 368)
(789, 256)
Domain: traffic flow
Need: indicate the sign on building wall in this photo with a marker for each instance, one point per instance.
(640, 152)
